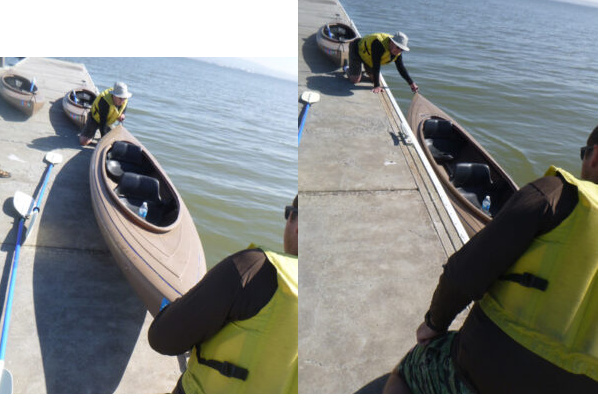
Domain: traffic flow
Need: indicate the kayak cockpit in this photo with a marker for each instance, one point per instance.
(468, 170)
(82, 97)
(20, 84)
(138, 181)
(338, 32)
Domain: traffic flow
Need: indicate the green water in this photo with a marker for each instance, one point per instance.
(520, 75)
(226, 137)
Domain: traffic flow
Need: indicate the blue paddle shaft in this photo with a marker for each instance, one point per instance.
(10, 292)
(302, 122)
(14, 266)
(36, 208)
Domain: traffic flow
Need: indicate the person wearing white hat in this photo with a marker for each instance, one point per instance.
(374, 50)
(108, 107)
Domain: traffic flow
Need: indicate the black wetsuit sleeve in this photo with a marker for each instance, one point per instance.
(377, 51)
(402, 70)
(235, 289)
(103, 108)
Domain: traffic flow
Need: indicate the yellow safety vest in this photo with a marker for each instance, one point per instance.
(559, 323)
(113, 111)
(364, 48)
(266, 345)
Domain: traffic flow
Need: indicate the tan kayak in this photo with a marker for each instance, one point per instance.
(466, 170)
(333, 39)
(161, 255)
(77, 104)
(16, 90)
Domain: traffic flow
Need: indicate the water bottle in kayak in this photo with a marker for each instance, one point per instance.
(485, 205)
(143, 211)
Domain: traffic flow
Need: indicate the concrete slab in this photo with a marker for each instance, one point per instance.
(77, 326)
(373, 234)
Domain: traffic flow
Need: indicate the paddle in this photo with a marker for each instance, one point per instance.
(24, 205)
(52, 159)
(308, 98)
(31, 90)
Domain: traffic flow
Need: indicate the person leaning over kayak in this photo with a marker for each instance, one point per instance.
(373, 51)
(533, 274)
(241, 322)
(107, 108)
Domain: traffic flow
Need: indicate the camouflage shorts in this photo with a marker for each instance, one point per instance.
(430, 369)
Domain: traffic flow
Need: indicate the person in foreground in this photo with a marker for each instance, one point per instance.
(533, 274)
(241, 322)
(108, 107)
(373, 51)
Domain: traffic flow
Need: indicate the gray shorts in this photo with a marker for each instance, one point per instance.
(91, 126)
(355, 62)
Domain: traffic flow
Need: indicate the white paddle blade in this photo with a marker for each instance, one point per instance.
(310, 97)
(23, 204)
(54, 158)
(6, 382)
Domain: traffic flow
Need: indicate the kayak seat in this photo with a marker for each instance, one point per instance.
(443, 150)
(139, 187)
(472, 174)
(442, 142)
(125, 151)
(124, 157)
(474, 196)
(116, 169)
(438, 128)
(473, 181)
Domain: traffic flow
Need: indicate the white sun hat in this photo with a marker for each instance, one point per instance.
(120, 90)
(401, 40)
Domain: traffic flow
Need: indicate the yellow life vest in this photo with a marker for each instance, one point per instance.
(559, 323)
(113, 111)
(266, 345)
(364, 48)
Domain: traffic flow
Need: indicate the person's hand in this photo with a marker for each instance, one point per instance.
(122, 118)
(377, 89)
(426, 334)
(414, 87)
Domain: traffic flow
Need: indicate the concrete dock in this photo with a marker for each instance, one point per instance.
(373, 232)
(76, 326)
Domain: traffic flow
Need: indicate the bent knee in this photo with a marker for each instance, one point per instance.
(354, 78)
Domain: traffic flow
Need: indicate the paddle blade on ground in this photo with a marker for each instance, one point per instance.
(310, 97)
(6, 384)
(53, 157)
(23, 203)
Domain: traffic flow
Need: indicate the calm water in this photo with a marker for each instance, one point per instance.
(520, 75)
(226, 137)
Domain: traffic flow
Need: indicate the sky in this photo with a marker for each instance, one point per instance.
(593, 3)
(279, 67)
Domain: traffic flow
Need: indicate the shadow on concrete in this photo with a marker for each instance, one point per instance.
(65, 131)
(60, 122)
(374, 387)
(88, 318)
(315, 60)
(331, 79)
(10, 113)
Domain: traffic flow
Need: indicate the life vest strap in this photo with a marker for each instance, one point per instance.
(225, 368)
(526, 279)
